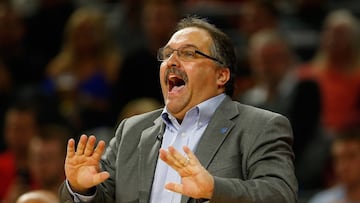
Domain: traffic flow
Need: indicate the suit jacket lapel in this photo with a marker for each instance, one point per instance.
(215, 134)
(148, 154)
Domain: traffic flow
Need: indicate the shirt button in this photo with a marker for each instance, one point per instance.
(183, 134)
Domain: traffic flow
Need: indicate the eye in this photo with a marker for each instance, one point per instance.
(167, 53)
(188, 53)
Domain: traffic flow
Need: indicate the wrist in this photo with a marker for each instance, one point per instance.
(82, 191)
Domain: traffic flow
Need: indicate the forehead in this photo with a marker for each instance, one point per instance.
(190, 36)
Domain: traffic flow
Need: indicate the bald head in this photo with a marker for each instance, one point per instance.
(38, 196)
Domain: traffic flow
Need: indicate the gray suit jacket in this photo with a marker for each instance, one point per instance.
(246, 149)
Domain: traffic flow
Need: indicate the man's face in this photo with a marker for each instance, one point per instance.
(46, 160)
(270, 61)
(20, 127)
(187, 83)
(347, 162)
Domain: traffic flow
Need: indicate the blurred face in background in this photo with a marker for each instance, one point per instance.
(338, 40)
(270, 61)
(20, 127)
(86, 32)
(46, 160)
(346, 154)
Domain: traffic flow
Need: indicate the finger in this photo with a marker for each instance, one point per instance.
(180, 159)
(89, 149)
(166, 157)
(99, 150)
(100, 177)
(81, 145)
(169, 158)
(191, 156)
(70, 148)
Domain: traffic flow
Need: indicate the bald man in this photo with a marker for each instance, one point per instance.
(38, 196)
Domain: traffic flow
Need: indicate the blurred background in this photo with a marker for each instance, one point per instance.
(69, 67)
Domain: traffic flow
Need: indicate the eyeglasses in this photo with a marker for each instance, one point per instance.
(187, 54)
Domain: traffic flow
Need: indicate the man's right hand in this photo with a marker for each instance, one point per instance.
(82, 166)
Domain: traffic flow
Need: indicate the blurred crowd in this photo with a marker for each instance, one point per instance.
(69, 67)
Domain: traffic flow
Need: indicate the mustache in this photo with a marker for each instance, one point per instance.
(176, 71)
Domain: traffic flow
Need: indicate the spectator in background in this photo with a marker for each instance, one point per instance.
(47, 152)
(254, 16)
(21, 125)
(83, 72)
(336, 68)
(38, 196)
(21, 68)
(346, 162)
(138, 76)
(278, 88)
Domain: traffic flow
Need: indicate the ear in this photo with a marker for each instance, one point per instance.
(223, 76)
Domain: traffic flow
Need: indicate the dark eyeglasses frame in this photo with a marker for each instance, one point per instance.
(209, 57)
(197, 52)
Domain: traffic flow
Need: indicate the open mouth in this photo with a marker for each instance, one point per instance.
(175, 83)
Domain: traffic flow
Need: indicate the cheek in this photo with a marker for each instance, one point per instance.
(162, 72)
(201, 79)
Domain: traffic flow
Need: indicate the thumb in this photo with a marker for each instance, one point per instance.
(100, 177)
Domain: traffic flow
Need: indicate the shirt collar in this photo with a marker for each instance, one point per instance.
(203, 111)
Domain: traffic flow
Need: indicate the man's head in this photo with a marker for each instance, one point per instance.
(346, 155)
(340, 36)
(47, 153)
(270, 57)
(21, 124)
(38, 196)
(197, 63)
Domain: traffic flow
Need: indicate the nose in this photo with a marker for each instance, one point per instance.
(173, 60)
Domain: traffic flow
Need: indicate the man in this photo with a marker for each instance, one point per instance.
(345, 152)
(202, 147)
(279, 88)
(38, 196)
(21, 125)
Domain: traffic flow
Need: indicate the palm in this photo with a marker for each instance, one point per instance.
(82, 166)
(196, 181)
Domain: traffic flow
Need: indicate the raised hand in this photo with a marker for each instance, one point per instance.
(82, 166)
(196, 181)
